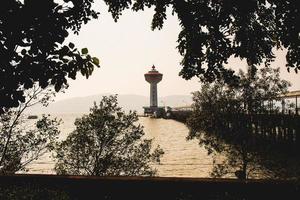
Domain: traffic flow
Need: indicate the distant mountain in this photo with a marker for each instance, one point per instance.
(127, 102)
(175, 100)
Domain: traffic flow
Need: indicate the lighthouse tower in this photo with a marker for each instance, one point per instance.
(153, 77)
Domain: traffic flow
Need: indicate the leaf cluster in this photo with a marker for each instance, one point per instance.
(32, 33)
(20, 146)
(107, 141)
(213, 31)
(23, 141)
(213, 106)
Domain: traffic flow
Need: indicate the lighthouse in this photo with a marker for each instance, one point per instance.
(153, 77)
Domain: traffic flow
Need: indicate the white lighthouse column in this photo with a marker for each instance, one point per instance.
(153, 95)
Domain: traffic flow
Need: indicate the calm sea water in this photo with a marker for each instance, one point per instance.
(182, 158)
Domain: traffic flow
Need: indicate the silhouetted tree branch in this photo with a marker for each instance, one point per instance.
(22, 141)
(215, 30)
(32, 50)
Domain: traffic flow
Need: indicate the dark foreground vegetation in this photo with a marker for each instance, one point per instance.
(107, 141)
(33, 34)
(34, 56)
(242, 123)
(91, 187)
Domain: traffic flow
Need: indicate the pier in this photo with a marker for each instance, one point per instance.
(281, 125)
(180, 113)
(273, 128)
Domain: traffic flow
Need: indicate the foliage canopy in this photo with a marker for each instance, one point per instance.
(216, 104)
(214, 30)
(107, 141)
(22, 140)
(32, 35)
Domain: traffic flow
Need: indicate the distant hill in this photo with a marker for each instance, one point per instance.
(128, 102)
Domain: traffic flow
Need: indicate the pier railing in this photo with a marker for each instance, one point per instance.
(87, 187)
(275, 128)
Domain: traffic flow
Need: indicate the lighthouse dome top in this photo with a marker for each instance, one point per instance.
(153, 71)
(153, 76)
(153, 68)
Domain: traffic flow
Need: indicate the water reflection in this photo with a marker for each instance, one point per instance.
(222, 153)
(182, 158)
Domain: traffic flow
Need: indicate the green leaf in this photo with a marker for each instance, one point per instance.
(84, 51)
(71, 45)
(72, 75)
(57, 87)
(23, 52)
(83, 71)
(96, 61)
(65, 60)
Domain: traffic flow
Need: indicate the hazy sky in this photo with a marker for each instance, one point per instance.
(127, 49)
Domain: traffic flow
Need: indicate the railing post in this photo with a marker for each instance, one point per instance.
(283, 105)
(296, 106)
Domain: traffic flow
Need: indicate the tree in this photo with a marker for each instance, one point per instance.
(258, 88)
(32, 35)
(217, 103)
(22, 141)
(209, 105)
(213, 31)
(206, 125)
(107, 142)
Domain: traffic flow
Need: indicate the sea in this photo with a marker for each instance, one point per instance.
(182, 157)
